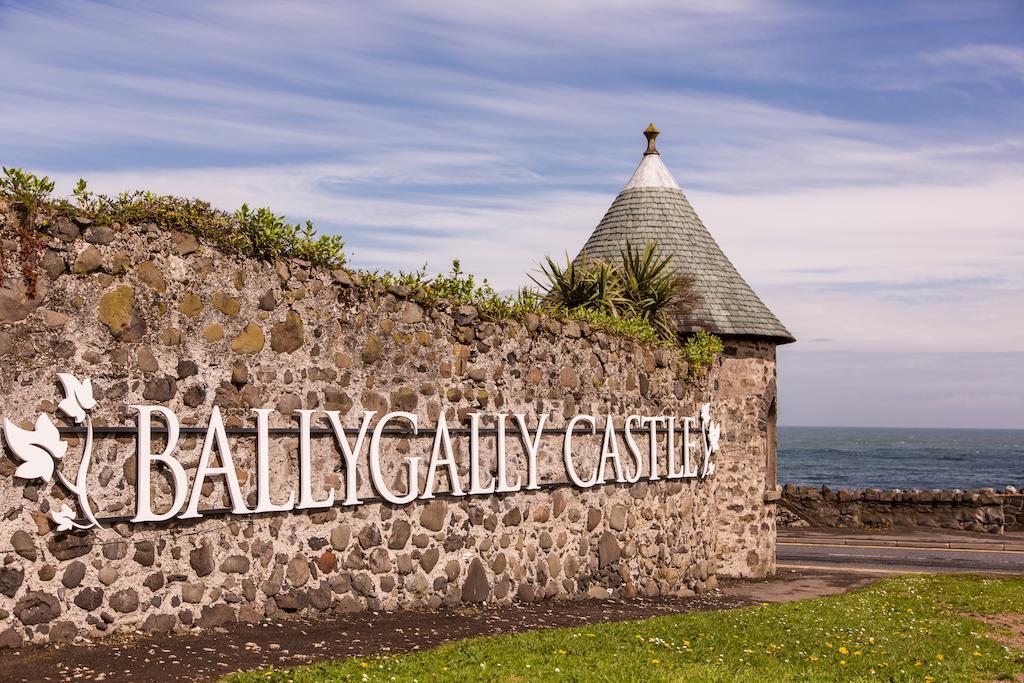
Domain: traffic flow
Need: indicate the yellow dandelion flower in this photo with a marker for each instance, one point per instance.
(843, 650)
(976, 653)
(940, 657)
(655, 661)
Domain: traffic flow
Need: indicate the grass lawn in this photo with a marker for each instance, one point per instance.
(912, 628)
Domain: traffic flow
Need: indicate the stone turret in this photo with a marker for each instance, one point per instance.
(652, 206)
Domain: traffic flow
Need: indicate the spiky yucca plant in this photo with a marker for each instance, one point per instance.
(651, 288)
(607, 296)
(569, 286)
(643, 287)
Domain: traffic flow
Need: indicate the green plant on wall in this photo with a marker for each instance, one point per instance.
(642, 293)
(580, 285)
(458, 287)
(267, 236)
(25, 188)
(259, 233)
(700, 350)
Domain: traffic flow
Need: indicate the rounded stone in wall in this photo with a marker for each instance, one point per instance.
(62, 632)
(74, 574)
(433, 515)
(69, 546)
(201, 560)
(11, 579)
(298, 571)
(36, 607)
(476, 587)
(124, 601)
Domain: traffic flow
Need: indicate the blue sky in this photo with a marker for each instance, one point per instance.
(861, 163)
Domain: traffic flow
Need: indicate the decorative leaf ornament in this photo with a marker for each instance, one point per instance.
(79, 397)
(36, 448)
(65, 519)
(40, 449)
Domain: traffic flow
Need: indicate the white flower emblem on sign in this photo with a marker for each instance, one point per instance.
(41, 448)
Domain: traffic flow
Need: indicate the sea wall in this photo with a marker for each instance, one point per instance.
(154, 317)
(982, 510)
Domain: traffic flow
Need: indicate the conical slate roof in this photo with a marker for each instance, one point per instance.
(653, 207)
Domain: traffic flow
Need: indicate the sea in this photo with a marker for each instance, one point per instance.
(899, 458)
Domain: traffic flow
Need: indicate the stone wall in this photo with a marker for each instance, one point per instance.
(982, 510)
(154, 317)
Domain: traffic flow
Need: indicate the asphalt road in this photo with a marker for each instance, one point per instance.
(888, 559)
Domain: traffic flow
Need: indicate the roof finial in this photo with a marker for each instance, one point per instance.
(651, 134)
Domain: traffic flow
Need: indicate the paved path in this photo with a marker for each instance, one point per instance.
(916, 550)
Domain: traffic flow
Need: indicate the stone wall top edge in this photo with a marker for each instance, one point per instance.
(73, 237)
(824, 492)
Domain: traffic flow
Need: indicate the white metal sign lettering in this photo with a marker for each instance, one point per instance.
(41, 449)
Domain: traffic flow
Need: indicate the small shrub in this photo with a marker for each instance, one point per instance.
(630, 326)
(25, 188)
(83, 197)
(267, 236)
(259, 233)
(458, 287)
(414, 281)
(699, 351)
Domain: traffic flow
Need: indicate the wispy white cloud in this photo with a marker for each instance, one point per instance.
(981, 62)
